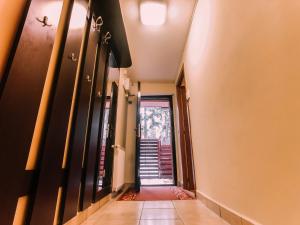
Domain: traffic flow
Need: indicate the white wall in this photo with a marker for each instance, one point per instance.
(242, 68)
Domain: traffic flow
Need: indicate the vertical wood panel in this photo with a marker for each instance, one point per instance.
(111, 136)
(79, 131)
(21, 90)
(103, 63)
(93, 139)
(57, 126)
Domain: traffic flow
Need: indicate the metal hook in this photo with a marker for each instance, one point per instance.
(73, 57)
(107, 37)
(88, 78)
(98, 23)
(44, 21)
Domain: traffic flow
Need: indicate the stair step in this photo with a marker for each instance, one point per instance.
(149, 172)
(149, 161)
(149, 168)
(149, 176)
(148, 164)
(148, 157)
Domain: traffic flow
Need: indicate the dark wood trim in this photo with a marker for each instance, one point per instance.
(137, 142)
(109, 156)
(106, 50)
(92, 137)
(185, 137)
(79, 131)
(113, 22)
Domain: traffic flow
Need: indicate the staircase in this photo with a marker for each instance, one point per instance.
(156, 160)
(166, 162)
(149, 168)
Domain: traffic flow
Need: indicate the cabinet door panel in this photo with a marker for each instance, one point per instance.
(50, 176)
(93, 138)
(79, 131)
(20, 95)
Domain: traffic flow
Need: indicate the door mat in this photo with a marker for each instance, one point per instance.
(156, 194)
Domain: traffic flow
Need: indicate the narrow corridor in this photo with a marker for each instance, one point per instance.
(135, 112)
(188, 212)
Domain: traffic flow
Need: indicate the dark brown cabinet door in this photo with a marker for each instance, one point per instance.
(50, 176)
(93, 137)
(110, 141)
(85, 95)
(104, 160)
(20, 94)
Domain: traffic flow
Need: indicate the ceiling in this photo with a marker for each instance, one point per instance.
(156, 52)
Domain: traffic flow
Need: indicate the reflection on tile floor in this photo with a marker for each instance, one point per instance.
(188, 212)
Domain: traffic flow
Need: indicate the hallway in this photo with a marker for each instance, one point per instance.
(187, 212)
(148, 112)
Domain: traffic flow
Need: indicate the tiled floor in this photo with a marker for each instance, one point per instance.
(188, 212)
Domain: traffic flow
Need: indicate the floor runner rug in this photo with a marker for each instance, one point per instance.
(156, 194)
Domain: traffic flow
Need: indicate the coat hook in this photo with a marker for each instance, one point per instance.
(88, 78)
(107, 37)
(98, 23)
(44, 21)
(73, 57)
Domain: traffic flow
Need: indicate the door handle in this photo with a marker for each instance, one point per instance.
(139, 132)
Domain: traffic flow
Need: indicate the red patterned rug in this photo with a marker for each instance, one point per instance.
(156, 194)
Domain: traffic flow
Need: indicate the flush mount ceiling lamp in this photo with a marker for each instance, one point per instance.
(153, 13)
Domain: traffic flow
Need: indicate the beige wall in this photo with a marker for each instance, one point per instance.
(147, 89)
(121, 118)
(242, 67)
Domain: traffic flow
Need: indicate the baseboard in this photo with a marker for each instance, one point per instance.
(179, 183)
(82, 216)
(224, 212)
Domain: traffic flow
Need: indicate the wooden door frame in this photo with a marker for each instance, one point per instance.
(137, 179)
(186, 147)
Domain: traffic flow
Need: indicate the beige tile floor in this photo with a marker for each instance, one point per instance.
(189, 212)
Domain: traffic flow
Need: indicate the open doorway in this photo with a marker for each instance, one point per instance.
(157, 148)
